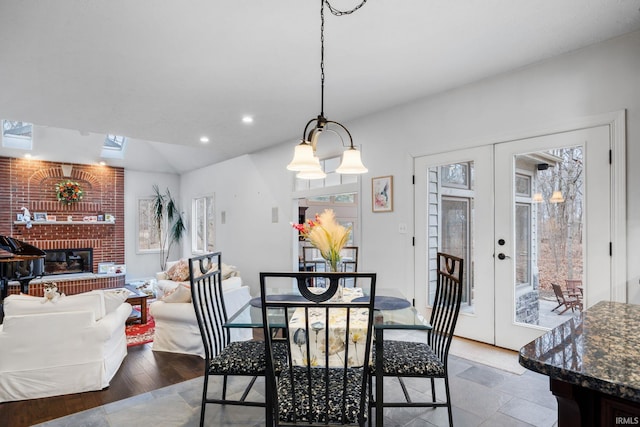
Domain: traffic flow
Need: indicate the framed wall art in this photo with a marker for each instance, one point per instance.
(39, 216)
(103, 267)
(382, 193)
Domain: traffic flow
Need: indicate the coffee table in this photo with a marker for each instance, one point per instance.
(137, 297)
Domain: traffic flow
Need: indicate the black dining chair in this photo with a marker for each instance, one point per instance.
(328, 348)
(403, 359)
(222, 357)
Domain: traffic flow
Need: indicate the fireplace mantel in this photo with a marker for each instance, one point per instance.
(66, 222)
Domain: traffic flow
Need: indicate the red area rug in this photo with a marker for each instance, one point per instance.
(138, 334)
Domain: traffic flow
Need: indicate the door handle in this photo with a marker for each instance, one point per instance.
(502, 256)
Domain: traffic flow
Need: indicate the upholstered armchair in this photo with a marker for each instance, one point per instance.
(73, 345)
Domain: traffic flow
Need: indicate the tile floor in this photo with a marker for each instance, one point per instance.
(482, 396)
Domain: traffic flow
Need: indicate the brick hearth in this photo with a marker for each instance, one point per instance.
(70, 286)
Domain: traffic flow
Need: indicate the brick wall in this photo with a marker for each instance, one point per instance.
(31, 183)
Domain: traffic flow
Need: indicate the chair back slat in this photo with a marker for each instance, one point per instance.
(446, 305)
(328, 344)
(205, 278)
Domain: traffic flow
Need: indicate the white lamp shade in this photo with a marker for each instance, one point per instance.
(303, 158)
(537, 198)
(317, 173)
(556, 197)
(351, 163)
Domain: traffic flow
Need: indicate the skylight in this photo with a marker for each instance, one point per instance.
(114, 142)
(113, 146)
(17, 135)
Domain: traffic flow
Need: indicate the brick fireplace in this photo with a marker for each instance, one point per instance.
(31, 183)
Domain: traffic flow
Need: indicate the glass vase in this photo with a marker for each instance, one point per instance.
(332, 265)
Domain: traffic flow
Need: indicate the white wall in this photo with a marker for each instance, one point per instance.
(599, 79)
(140, 185)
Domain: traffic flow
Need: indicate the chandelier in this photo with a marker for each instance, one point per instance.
(305, 161)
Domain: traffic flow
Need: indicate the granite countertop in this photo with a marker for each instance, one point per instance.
(598, 349)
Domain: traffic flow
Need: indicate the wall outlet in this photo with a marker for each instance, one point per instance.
(402, 228)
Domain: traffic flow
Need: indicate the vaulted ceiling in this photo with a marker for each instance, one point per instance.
(164, 73)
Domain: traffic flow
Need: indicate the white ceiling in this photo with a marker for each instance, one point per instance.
(167, 72)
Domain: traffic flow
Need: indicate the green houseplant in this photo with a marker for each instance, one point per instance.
(165, 211)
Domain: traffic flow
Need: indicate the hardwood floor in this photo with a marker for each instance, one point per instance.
(141, 371)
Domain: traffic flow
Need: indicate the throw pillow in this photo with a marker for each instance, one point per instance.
(179, 272)
(229, 271)
(180, 294)
(113, 298)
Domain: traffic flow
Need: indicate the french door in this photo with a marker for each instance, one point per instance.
(522, 214)
(454, 214)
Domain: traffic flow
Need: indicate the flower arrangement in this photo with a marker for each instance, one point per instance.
(69, 192)
(325, 234)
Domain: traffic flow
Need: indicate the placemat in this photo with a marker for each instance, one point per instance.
(386, 303)
(257, 302)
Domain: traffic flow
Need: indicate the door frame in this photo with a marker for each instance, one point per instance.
(616, 122)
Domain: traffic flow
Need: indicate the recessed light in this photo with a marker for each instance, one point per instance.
(102, 163)
(247, 119)
(27, 156)
(204, 139)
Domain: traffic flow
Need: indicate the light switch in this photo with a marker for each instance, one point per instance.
(274, 214)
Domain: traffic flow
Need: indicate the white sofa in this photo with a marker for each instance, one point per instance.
(176, 329)
(73, 345)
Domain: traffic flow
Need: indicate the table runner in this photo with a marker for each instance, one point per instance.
(337, 327)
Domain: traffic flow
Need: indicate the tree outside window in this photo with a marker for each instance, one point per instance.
(148, 236)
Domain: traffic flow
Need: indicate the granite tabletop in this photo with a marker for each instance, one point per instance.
(599, 349)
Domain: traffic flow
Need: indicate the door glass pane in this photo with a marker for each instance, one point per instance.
(455, 231)
(450, 219)
(548, 244)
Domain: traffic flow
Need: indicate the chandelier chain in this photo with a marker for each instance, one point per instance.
(322, 58)
(338, 12)
(335, 12)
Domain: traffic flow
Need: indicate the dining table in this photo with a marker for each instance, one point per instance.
(392, 311)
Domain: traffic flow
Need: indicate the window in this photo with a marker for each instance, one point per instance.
(451, 221)
(17, 135)
(113, 146)
(523, 244)
(346, 199)
(114, 142)
(148, 238)
(202, 239)
(523, 227)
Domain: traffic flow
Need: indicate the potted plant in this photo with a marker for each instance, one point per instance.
(166, 209)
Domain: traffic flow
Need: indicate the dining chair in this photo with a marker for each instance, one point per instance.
(328, 348)
(403, 359)
(222, 357)
(312, 261)
(349, 258)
